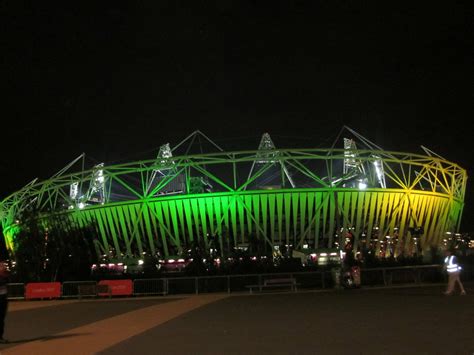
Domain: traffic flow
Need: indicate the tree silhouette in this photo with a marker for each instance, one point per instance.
(52, 248)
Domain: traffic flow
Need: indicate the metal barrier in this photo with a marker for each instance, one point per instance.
(308, 280)
(401, 275)
(142, 287)
(16, 291)
(74, 289)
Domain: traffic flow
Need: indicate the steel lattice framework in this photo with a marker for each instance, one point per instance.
(160, 204)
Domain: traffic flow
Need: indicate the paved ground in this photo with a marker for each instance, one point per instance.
(415, 320)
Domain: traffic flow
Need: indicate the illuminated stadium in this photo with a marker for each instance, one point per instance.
(301, 198)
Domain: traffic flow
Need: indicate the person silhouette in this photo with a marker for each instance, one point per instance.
(454, 270)
(4, 274)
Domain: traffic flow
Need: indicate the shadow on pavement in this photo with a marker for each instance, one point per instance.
(43, 338)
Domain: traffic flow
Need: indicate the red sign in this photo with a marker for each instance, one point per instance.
(117, 287)
(43, 290)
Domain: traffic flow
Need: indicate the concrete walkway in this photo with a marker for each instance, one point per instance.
(394, 320)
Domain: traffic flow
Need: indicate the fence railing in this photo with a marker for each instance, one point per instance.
(309, 280)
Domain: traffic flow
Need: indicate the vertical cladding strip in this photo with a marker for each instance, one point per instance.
(218, 214)
(303, 201)
(129, 224)
(210, 215)
(325, 213)
(88, 217)
(219, 218)
(247, 201)
(225, 203)
(427, 202)
(421, 210)
(455, 215)
(360, 213)
(404, 213)
(181, 221)
(410, 216)
(197, 223)
(430, 221)
(240, 209)
(413, 215)
(343, 202)
(287, 198)
(169, 212)
(164, 240)
(174, 225)
(233, 218)
(332, 215)
(136, 215)
(189, 218)
(318, 225)
(146, 217)
(294, 204)
(264, 208)
(116, 222)
(369, 210)
(202, 214)
(154, 224)
(443, 213)
(279, 200)
(396, 208)
(124, 229)
(310, 204)
(352, 216)
(437, 220)
(102, 230)
(256, 213)
(366, 198)
(271, 205)
(113, 233)
(382, 203)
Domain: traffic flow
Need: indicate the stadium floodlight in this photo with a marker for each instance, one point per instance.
(266, 150)
(165, 168)
(267, 154)
(96, 193)
(351, 162)
(74, 191)
(379, 171)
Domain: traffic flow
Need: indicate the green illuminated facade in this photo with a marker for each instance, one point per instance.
(290, 197)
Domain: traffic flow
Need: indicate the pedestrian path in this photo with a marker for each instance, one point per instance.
(97, 336)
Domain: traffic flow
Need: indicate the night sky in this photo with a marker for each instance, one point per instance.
(117, 80)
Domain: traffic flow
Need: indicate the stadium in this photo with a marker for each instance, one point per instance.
(352, 192)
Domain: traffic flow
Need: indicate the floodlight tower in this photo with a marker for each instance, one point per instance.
(379, 171)
(353, 167)
(96, 192)
(165, 169)
(267, 154)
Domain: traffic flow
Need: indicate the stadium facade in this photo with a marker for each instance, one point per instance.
(301, 198)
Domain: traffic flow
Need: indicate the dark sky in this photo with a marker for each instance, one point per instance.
(115, 80)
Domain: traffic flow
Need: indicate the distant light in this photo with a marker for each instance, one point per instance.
(81, 205)
(362, 185)
(140, 262)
